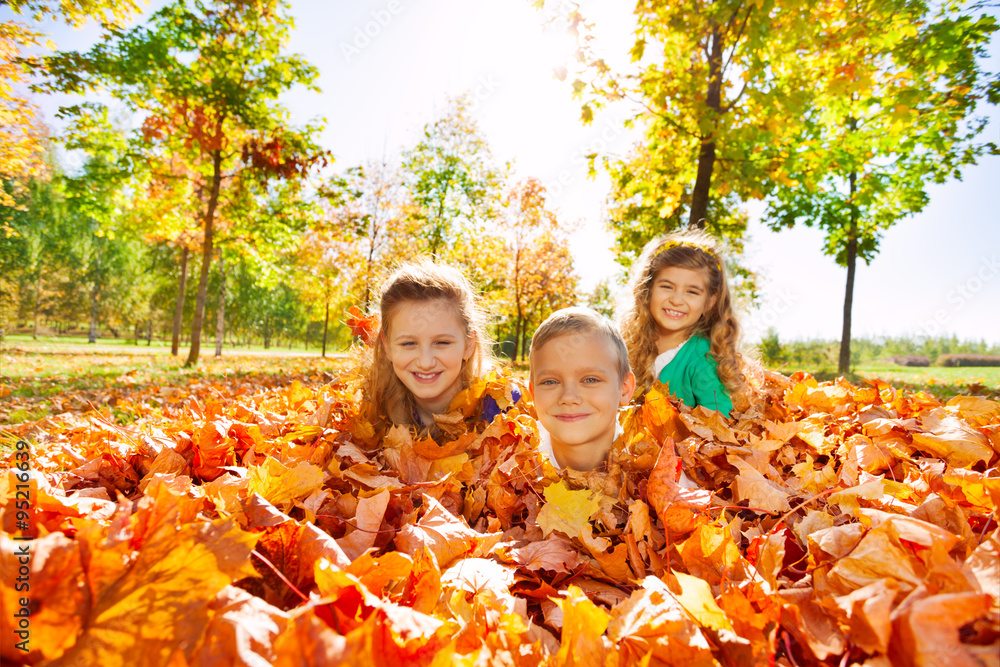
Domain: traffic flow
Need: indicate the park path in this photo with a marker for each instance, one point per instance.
(73, 348)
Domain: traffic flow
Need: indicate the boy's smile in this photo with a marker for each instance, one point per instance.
(577, 394)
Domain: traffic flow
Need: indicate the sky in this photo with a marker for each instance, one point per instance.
(388, 67)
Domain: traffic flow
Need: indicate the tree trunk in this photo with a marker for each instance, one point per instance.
(175, 343)
(220, 320)
(94, 293)
(206, 254)
(326, 324)
(518, 326)
(149, 332)
(38, 303)
(844, 364)
(706, 156)
(368, 277)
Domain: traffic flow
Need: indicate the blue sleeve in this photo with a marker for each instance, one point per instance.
(490, 408)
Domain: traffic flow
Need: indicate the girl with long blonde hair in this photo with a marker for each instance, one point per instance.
(432, 341)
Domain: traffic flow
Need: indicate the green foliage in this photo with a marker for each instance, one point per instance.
(602, 298)
(257, 309)
(886, 119)
(771, 354)
(206, 78)
(822, 354)
(453, 179)
(110, 13)
(719, 96)
(896, 84)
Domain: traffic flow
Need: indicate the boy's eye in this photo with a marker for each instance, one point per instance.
(547, 382)
(591, 380)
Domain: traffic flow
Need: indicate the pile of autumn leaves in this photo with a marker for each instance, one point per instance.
(828, 525)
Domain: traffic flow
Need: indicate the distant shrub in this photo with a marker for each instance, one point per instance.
(770, 349)
(911, 360)
(968, 360)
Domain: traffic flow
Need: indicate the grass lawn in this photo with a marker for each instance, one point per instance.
(943, 382)
(36, 383)
(56, 343)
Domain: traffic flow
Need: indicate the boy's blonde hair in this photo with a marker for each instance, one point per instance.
(420, 282)
(694, 250)
(579, 321)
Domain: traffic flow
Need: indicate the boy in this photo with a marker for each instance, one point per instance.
(579, 377)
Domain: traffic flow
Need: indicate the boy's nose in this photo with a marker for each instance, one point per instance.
(569, 394)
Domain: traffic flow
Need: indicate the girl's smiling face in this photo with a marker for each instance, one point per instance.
(427, 346)
(677, 300)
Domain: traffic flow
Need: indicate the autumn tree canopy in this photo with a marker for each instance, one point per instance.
(896, 86)
(207, 78)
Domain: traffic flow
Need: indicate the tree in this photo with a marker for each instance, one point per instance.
(368, 224)
(643, 204)
(452, 178)
(602, 298)
(719, 94)
(375, 224)
(109, 251)
(23, 135)
(207, 78)
(550, 286)
(535, 250)
(896, 85)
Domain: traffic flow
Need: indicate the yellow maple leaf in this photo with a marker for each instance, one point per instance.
(280, 485)
(696, 597)
(583, 626)
(566, 510)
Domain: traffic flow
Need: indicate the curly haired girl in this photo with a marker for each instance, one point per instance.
(679, 324)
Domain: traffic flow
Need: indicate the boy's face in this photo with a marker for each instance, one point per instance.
(577, 392)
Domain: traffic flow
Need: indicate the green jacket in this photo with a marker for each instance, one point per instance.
(692, 378)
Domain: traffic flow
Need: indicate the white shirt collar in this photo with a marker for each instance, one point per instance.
(665, 358)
